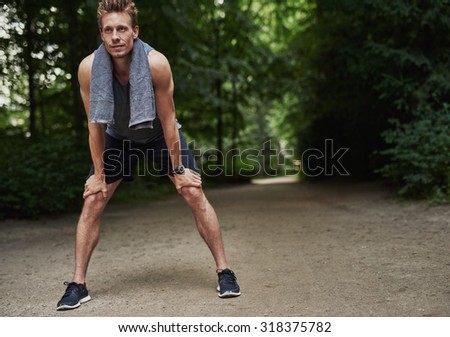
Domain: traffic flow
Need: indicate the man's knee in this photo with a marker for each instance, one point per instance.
(94, 204)
(194, 196)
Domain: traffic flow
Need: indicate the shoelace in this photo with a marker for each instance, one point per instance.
(70, 288)
(227, 277)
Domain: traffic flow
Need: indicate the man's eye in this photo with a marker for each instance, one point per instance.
(122, 29)
(107, 30)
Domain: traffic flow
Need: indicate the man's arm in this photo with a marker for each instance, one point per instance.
(164, 87)
(96, 183)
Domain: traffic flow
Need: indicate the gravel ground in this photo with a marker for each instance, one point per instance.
(323, 249)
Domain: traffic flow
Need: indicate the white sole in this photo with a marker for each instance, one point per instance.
(227, 294)
(68, 307)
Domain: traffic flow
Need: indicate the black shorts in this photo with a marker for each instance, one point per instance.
(122, 158)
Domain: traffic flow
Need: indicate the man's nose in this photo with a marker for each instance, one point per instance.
(115, 35)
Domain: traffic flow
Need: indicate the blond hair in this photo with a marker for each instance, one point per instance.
(109, 6)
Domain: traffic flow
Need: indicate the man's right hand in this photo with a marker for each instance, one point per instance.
(95, 184)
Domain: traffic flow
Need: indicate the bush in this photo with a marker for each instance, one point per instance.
(41, 176)
(420, 155)
(234, 169)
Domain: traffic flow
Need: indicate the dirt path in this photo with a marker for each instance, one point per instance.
(298, 250)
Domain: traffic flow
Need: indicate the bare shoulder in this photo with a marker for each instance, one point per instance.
(159, 66)
(84, 69)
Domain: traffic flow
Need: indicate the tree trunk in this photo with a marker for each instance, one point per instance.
(235, 115)
(30, 70)
(219, 110)
(219, 121)
(77, 107)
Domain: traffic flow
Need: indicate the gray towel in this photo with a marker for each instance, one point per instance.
(142, 97)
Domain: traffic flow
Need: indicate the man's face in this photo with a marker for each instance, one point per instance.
(118, 34)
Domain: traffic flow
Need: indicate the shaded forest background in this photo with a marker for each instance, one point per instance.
(370, 75)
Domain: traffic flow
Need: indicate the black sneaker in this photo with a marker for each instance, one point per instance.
(228, 286)
(75, 295)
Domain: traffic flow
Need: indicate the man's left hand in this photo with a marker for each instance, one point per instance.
(187, 179)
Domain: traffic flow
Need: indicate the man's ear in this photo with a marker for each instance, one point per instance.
(101, 33)
(135, 32)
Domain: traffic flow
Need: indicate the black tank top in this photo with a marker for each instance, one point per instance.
(119, 129)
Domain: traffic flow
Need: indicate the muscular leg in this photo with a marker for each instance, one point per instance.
(207, 223)
(88, 231)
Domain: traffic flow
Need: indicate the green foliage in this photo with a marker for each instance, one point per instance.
(365, 63)
(208, 44)
(234, 168)
(41, 177)
(416, 85)
(420, 155)
(143, 189)
(41, 46)
(215, 66)
(293, 71)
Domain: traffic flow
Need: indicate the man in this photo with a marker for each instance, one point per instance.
(163, 143)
